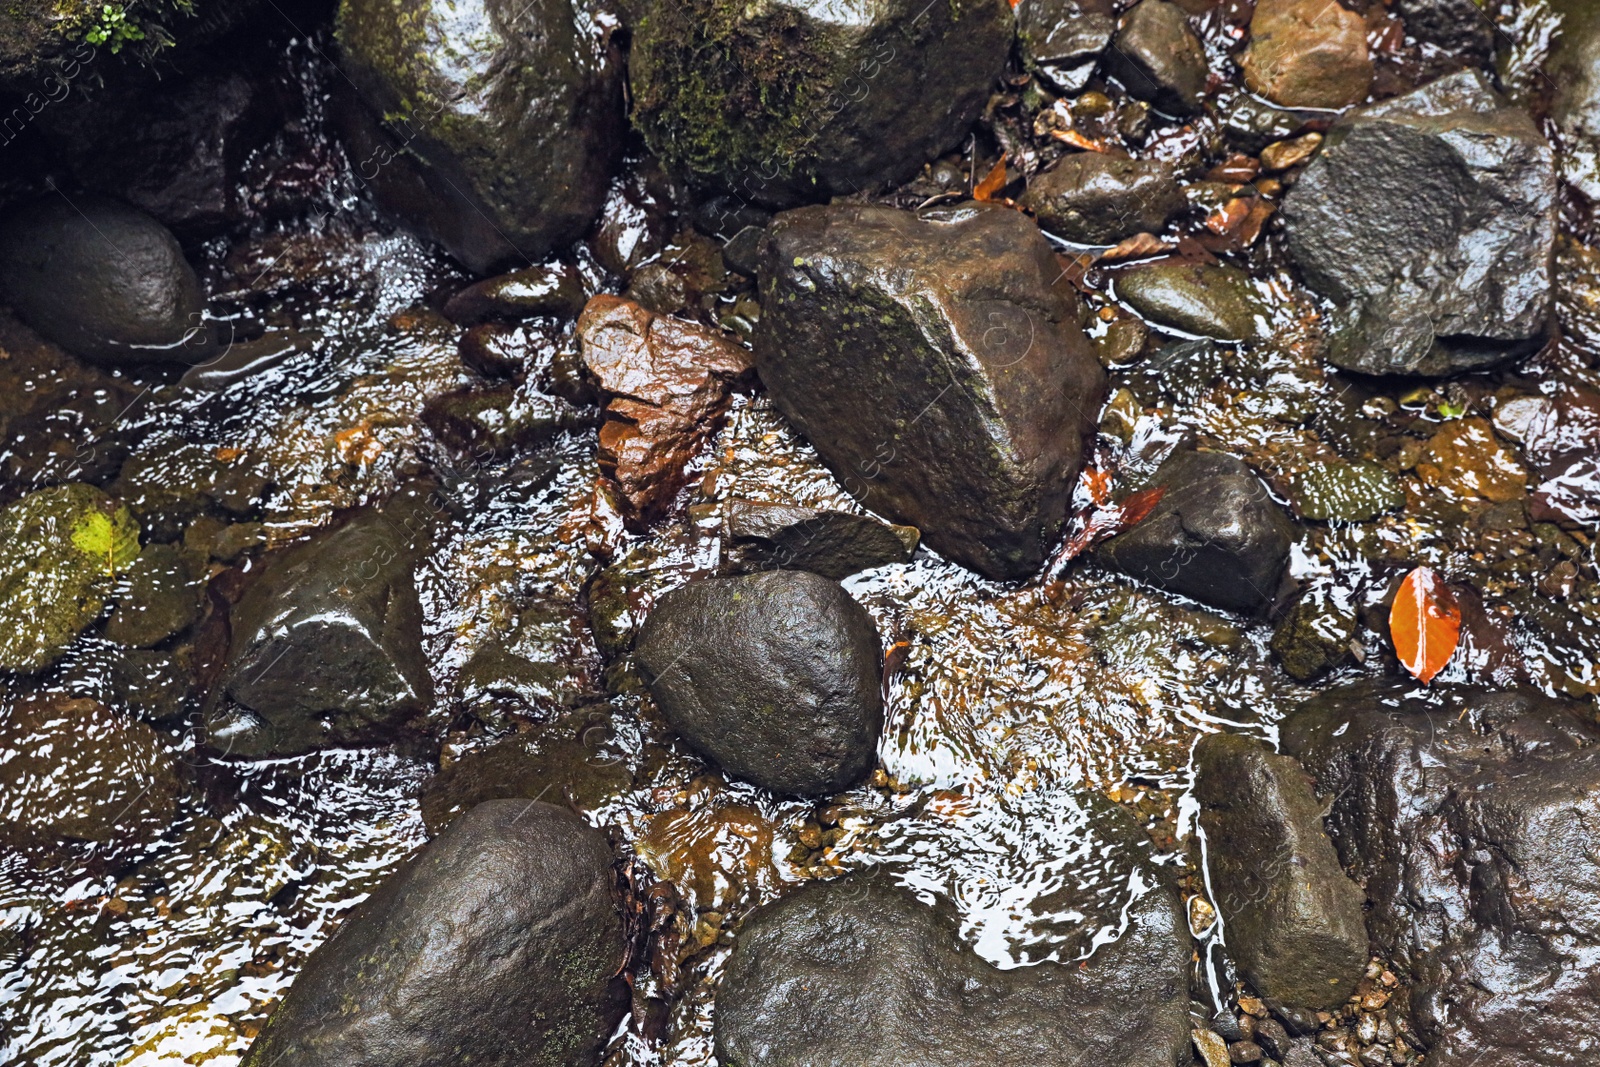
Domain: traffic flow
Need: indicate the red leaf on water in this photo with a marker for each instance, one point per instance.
(1097, 483)
(992, 182)
(1106, 521)
(1425, 624)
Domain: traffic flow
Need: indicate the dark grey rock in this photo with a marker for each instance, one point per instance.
(834, 544)
(497, 945)
(1468, 816)
(1062, 39)
(1572, 72)
(791, 101)
(856, 972)
(1095, 198)
(328, 640)
(1460, 27)
(1430, 220)
(103, 280)
(936, 368)
(1157, 57)
(504, 120)
(775, 676)
(1215, 536)
(1291, 918)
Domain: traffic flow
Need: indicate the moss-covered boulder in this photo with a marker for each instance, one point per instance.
(500, 120)
(61, 550)
(783, 102)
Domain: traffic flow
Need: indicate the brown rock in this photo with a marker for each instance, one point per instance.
(668, 382)
(1308, 53)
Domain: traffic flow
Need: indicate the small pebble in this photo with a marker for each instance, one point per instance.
(1243, 1052)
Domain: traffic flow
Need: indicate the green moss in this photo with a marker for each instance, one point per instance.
(724, 89)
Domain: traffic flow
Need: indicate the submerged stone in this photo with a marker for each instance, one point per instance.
(1292, 920)
(497, 945)
(834, 544)
(502, 119)
(75, 769)
(1430, 220)
(937, 369)
(788, 101)
(775, 676)
(857, 972)
(61, 550)
(103, 280)
(1345, 492)
(328, 639)
(160, 596)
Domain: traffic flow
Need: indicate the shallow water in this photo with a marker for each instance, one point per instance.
(1008, 705)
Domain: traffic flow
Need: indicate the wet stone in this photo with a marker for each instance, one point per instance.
(159, 597)
(61, 550)
(1292, 920)
(1430, 220)
(1063, 39)
(327, 641)
(497, 944)
(501, 120)
(75, 769)
(1157, 57)
(573, 760)
(834, 544)
(1216, 534)
(497, 422)
(1345, 492)
(774, 676)
(1308, 53)
(537, 666)
(788, 102)
(103, 280)
(1314, 635)
(550, 289)
(1460, 27)
(1465, 814)
(668, 382)
(1094, 198)
(857, 972)
(937, 370)
(1212, 300)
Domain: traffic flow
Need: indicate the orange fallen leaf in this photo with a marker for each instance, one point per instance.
(1078, 140)
(1106, 520)
(992, 182)
(1097, 483)
(1425, 624)
(1230, 215)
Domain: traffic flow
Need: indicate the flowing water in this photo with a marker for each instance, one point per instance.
(1009, 706)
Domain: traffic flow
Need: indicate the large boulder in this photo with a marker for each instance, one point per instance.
(1468, 816)
(1292, 919)
(503, 119)
(936, 367)
(1429, 219)
(855, 972)
(1216, 535)
(328, 639)
(103, 280)
(497, 945)
(788, 101)
(61, 550)
(775, 676)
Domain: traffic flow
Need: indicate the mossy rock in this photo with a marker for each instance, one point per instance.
(786, 102)
(60, 552)
(1346, 492)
